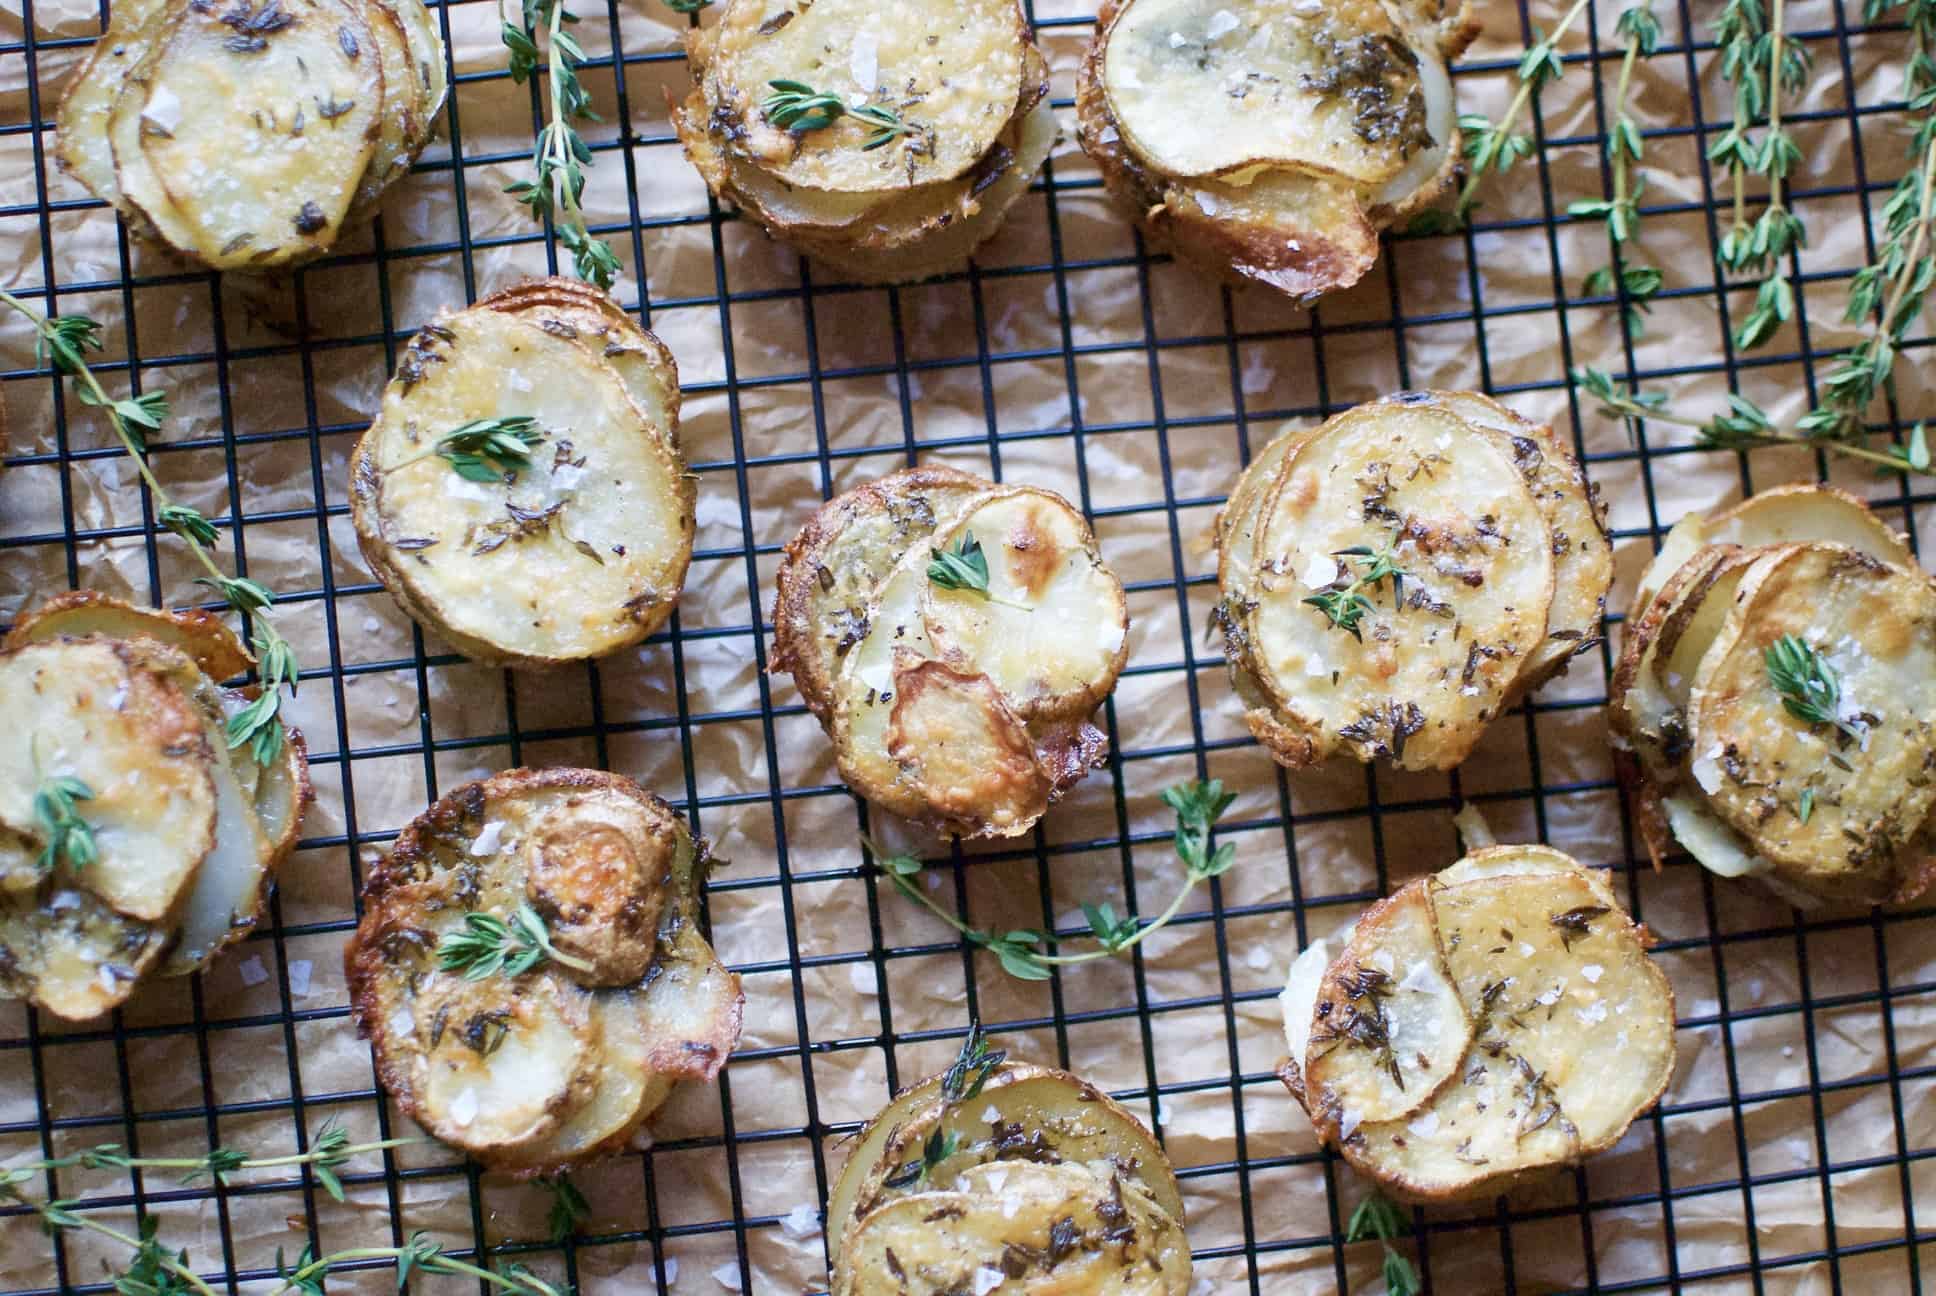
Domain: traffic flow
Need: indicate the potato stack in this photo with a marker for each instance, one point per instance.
(886, 140)
(953, 637)
(1271, 140)
(134, 841)
(530, 969)
(522, 492)
(1496, 1020)
(1001, 1177)
(247, 136)
(1395, 578)
(1774, 709)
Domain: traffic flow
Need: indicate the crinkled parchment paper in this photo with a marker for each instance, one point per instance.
(1782, 1072)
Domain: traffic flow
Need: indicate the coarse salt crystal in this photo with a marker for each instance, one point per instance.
(864, 62)
(463, 1108)
(1259, 957)
(1593, 1014)
(997, 1178)
(1222, 23)
(1593, 972)
(671, 1271)
(1348, 1123)
(163, 110)
(800, 1223)
(991, 1114)
(1011, 1203)
(1178, 40)
(253, 973)
(1320, 569)
(371, 626)
(727, 1276)
(299, 972)
(1549, 997)
(1425, 1126)
(487, 839)
(1207, 202)
(987, 1279)
(1419, 977)
(1525, 950)
(403, 1022)
(861, 977)
(568, 476)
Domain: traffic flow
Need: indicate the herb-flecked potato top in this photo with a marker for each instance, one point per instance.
(533, 1064)
(576, 551)
(1496, 1020)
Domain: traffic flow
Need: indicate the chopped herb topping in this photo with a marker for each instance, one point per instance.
(963, 566)
(1810, 686)
(488, 945)
(68, 836)
(796, 106)
(1345, 605)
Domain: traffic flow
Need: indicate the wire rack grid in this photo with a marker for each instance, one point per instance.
(1793, 1151)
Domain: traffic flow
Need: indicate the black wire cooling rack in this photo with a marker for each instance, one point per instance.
(1795, 1147)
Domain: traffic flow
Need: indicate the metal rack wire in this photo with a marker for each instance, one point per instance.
(1846, 968)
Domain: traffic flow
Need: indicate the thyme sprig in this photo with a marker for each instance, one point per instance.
(797, 107)
(1809, 685)
(1378, 1216)
(1345, 605)
(561, 154)
(963, 566)
(68, 835)
(484, 450)
(1762, 62)
(1637, 284)
(1745, 425)
(568, 1209)
(1197, 805)
(1493, 147)
(961, 1082)
(63, 342)
(487, 945)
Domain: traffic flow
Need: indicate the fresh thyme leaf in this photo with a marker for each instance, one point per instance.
(965, 1076)
(963, 566)
(487, 945)
(1346, 606)
(560, 155)
(796, 106)
(1806, 807)
(489, 449)
(187, 523)
(1377, 1216)
(568, 1209)
(1809, 685)
(68, 836)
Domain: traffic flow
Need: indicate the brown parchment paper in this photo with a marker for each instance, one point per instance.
(1784, 1135)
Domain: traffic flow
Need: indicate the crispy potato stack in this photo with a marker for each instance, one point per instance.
(120, 705)
(1497, 1019)
(246, 136)
(1774, 708)
(930, 120)
(960, 704)
(1002, 1178)
(532, 1070)
(1271, 140)
(576, 548)
(1398, 576)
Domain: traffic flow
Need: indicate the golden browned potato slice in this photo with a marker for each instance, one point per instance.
(1793, 514)
(114, 717)
(1389, 1027)
(1046, 1115)
(65, 951)
(952, 72)
(1269, 140)
(1835, 798)
(1416, 669)
(1018, 1227)
(835, 565)
(398, 131)
(962, 750)
(864, 689)
(78, 614)
(1242, 513)
(81, 144)
(1571, 1029)
(245, 131)
(1582, 552)
(604, 511)
(607, 1026)
(1051, 632)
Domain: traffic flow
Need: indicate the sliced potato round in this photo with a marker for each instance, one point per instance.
(63, 949)
(597, 1054)
(1019, 1227)
(1568, 1026)
(81, 145)
(104, 713)
(570, 309)
(1052, 629)
(1432, 660)
(963, 751)
(253, 128)
(1792, 514)
(953, 73)
(1863, 759)
(1206, 87)
(605, 508)
(398, 131)
(864, 690)
(78, 614)
(1388, 1026)
(834, 566)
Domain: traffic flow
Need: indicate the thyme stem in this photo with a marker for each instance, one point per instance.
(1495, 146)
